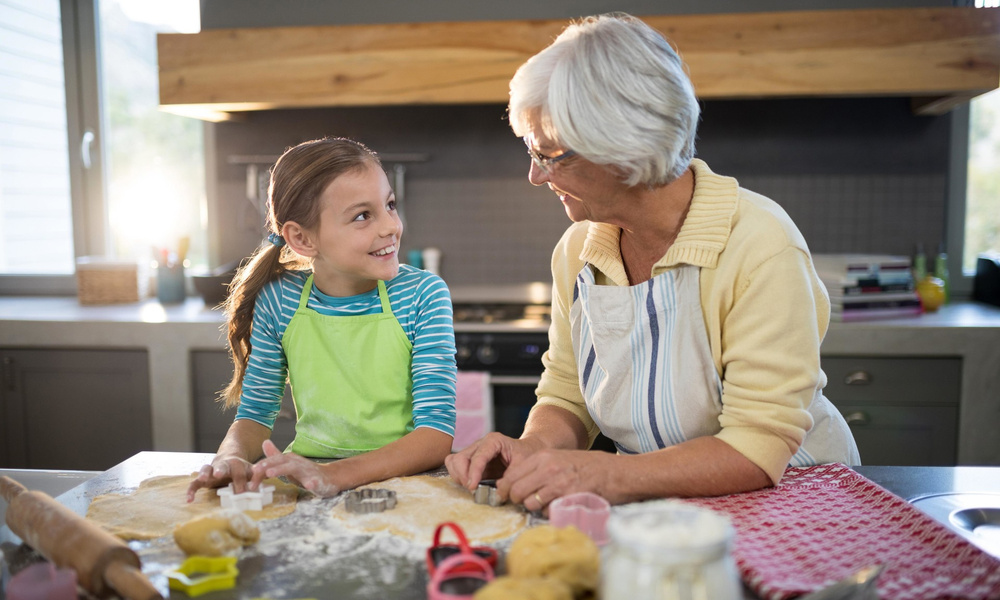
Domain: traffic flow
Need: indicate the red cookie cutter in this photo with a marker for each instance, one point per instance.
(459, 577)
(439, 552)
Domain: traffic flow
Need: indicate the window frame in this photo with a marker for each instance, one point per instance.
(960, 281)
(81, 68)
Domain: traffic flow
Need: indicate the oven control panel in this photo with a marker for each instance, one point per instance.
(501, 352)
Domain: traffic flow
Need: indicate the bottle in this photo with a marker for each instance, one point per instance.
(669, 549)
(941, 271)
(919, 264)
(432, 260)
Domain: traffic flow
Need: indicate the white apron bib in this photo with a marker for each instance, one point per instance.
(647, 374)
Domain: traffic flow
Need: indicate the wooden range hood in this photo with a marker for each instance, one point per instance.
(940, 57)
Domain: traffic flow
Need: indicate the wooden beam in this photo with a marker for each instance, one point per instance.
(950, 52)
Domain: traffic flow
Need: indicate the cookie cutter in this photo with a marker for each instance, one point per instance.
(486, 493)
(439, 551)
(586, 511)
(370, 500)
(201, 574)
(246, 500)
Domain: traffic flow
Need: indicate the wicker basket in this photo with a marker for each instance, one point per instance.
(106, 281)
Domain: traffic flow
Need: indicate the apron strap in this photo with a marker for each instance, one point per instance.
(306, 288)
(383, 295)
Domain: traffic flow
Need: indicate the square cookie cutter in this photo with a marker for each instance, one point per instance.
(486, 493)
(246, 500)
(370, 500)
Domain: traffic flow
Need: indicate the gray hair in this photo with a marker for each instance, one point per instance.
(611, 88)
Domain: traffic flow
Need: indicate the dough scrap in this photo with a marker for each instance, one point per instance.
(563, 553)
(425, 501)
(160, 504)
(216, 533)
(529, 588)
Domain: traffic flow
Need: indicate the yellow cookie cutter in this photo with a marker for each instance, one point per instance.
(200, 574)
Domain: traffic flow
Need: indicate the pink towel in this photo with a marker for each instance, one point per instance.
(474, 407)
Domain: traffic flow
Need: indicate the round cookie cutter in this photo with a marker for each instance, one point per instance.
(587, 511)
(370, 500)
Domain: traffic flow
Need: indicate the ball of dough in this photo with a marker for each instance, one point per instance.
(531, 588)
(216, 533)
(563, 553)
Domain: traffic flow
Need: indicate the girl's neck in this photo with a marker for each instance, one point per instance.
(339, 286)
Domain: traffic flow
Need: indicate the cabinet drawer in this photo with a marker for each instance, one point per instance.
(892, 380)
(904, 435)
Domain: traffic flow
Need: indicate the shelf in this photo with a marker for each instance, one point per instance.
(940, 57)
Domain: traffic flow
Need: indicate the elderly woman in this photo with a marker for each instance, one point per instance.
(686, 313)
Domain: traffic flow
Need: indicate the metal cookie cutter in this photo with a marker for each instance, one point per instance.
(486, 493)
(370, 500)
(246, 500)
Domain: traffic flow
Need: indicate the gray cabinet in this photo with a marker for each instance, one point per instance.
(81, 409)
(211, 371)
(901, 410)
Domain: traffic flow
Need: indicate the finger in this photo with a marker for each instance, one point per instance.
(270, 449)
(479, 460)
(196, 485)
(458, 467)
(238, 472)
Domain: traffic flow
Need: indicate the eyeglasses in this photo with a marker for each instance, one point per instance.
(545, 163)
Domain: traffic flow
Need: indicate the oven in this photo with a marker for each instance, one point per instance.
(503, 331)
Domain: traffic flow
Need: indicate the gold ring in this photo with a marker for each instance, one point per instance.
(539, 499)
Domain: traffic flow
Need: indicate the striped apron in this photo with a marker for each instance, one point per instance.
(647, 374)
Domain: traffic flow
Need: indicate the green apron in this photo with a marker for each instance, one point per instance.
(350, 379)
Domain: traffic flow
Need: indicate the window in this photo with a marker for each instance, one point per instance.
(88, 163)
(982, 210)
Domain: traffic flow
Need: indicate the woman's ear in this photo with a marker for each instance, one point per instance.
(298, 239)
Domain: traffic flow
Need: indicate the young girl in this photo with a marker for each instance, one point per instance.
(366, 344)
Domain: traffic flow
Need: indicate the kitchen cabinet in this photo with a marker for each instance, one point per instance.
(939, 56)
(211, 371)
(901, 410)
(80, 409)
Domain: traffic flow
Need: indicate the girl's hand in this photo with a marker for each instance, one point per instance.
(299, 470)
(224, 468)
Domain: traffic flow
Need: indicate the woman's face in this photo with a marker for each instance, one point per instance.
(588, 192)
(358, 233)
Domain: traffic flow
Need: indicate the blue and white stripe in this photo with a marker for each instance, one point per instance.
(421, 303)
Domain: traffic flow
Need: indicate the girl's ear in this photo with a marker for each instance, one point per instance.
(298, 239)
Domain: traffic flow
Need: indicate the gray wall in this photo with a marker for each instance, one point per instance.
(856, 174)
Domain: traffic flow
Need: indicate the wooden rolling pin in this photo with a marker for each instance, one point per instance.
(104, 564)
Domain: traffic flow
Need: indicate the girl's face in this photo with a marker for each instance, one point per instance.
(358, 233)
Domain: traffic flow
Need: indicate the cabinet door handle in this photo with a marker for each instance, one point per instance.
(858, 378)
(857, 418)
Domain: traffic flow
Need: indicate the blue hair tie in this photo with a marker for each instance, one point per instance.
(276, 239)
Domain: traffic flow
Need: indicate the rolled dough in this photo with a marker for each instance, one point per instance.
(160, 503)
(424, 501)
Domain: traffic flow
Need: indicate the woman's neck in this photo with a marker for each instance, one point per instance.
(651, 227)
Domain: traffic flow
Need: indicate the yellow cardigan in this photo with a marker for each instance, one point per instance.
(765, 309)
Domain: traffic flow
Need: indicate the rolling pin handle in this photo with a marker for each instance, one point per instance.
(9, 489)
(129, 582)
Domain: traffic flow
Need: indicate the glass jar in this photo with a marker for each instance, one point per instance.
(669, 550)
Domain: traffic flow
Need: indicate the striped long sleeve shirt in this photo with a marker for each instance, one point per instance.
(421, 303)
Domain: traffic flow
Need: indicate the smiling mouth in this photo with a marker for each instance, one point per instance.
(384, 251)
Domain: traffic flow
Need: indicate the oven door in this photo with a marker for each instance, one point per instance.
(513, 397)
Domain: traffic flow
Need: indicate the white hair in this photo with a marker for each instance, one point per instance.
(612, 89)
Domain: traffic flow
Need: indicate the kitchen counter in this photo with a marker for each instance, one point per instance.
(363, 565)
(169, 333)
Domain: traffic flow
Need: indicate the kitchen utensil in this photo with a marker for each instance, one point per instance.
(103, 563)
(246, 500)
(370, 500)
(201, 574)
(42, 581)
(437, 553)
(586, 511)
(859, 586)
(486, 493)
(458, 577)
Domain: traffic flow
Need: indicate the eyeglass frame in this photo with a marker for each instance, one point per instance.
(543, 162)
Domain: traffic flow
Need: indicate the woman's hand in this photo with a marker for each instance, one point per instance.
(224, 468)
(489, 456)
(299, 470)
(549, 474)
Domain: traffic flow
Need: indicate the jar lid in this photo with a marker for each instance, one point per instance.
(662, 526)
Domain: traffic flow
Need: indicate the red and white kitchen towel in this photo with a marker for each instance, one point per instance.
(821, 524)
